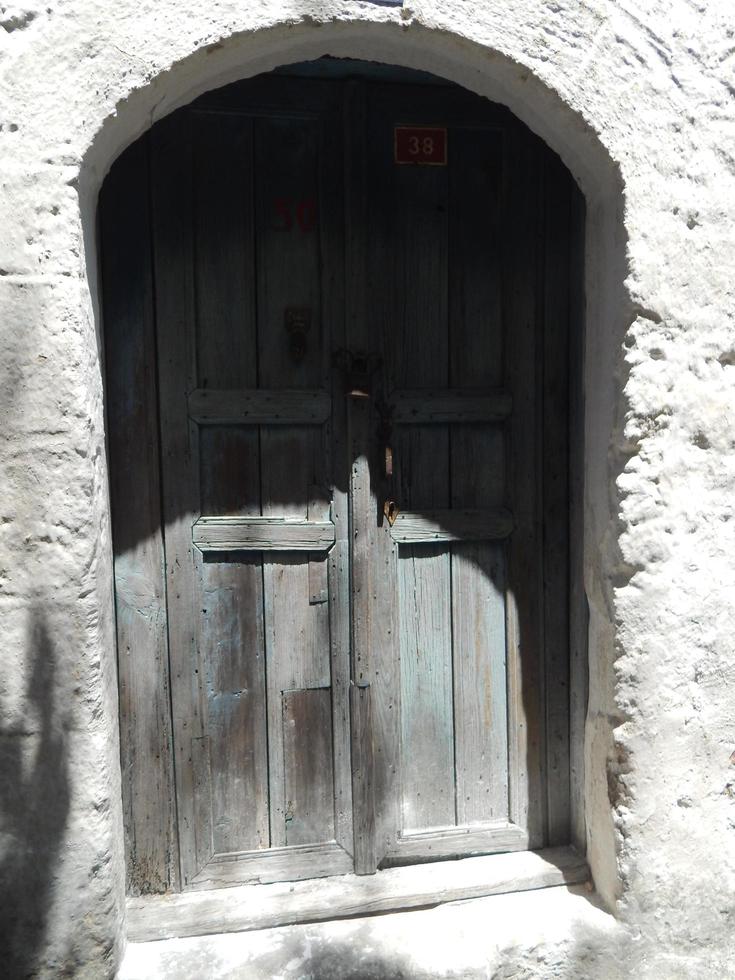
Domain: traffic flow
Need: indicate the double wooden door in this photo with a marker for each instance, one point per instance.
(361, 386)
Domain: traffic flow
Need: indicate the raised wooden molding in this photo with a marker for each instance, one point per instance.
(262, 534)
(450, 841)
(274, 864)
(260, 406)
(434, 526)
(245, 907)
(450, 405)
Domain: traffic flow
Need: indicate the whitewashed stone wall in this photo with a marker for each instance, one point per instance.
(638, 97)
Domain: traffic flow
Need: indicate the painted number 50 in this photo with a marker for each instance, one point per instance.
(291, 213)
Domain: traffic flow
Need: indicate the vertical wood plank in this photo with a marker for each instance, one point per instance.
(363, 780)
(297, 656)
(578, 613)
(368, 545)
(149, 808)
(478, 478)
(556, 494)
(334, 463)
(318, 510)
(298, 636)
(308, 779)
(233, 641)
(524, 600)
(232, 634)
(225, 296)
(478, 620)
(415, 344)
(175, 319)
(288, 277)
(427, 737)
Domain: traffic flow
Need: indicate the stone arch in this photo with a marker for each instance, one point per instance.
(478, 66)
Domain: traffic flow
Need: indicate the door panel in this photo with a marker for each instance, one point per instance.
(477, 462)
(254, 732)
(435, 266)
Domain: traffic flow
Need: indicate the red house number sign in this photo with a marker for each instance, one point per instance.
(421, 144)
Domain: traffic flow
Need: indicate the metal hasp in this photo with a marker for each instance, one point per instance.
(358, 368)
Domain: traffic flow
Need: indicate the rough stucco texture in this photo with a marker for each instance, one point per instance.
(638, 97)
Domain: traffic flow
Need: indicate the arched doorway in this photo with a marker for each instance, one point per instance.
(341, 303)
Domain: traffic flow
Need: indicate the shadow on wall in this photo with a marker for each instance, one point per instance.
(34, 806)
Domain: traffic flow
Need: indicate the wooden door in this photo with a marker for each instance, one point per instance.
(362, 399)
(449, 612)
(247, 312)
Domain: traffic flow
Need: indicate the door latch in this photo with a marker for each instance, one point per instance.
(358, 368)
(385, 432)
(390, 509)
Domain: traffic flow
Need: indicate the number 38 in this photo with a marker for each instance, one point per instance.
(423, 145)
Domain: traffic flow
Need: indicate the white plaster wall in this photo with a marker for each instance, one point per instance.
(638, 100)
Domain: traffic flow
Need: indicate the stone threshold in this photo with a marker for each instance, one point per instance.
(243, 908)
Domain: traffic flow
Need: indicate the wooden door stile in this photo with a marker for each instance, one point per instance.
(556, 494)
(362, 504)
(415, 344)
(333, 466)
(146, 746)
(578, 611)
(175, 315)
(231, 640)
(477, 461)
(297, 633)
(524, 610)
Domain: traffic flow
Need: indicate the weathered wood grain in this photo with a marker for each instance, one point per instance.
(294, 863)
(254, 406)
(149, 809)
(318, 510)
(263, 906)
(231, 628)
(578, 611)
(481, 720)
(288, 277)
(448, 842)
(224, 534)
(232, 638)
(478, 479)
(307, 762)
(173, 250)
(555, 437)
(452, 524)
(366, 542)
(453, 404)
(297, 645)
(427, 717)
(332, 463)
(524, 608)
(420, 358)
